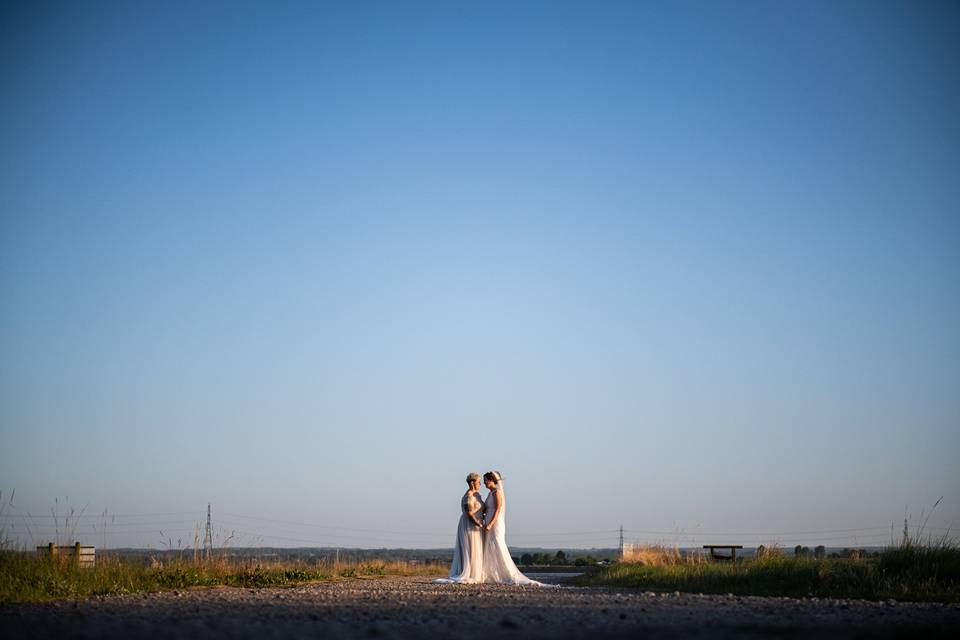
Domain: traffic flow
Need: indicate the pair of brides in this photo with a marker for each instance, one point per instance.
(480, 553)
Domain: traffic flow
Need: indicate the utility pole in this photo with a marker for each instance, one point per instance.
(906, 534)
(621, 541)
(208, 538)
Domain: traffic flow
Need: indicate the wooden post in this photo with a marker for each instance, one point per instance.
(83, 556)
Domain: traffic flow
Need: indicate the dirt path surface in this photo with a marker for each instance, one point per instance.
(415, 608)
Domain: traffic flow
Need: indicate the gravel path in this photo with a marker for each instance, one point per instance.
(415, 608)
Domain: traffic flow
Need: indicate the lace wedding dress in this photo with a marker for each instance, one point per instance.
(498, 566)
(467, 565)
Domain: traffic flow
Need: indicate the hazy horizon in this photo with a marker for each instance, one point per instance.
(689, 268)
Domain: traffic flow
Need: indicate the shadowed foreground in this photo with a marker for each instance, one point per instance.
(415, 608)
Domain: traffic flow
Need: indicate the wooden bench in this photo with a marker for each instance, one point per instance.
(717, 556)
(83, 555)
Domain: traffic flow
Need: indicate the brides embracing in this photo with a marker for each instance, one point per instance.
(480, 553)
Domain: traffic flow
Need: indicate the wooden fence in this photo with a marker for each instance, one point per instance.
(83, 555)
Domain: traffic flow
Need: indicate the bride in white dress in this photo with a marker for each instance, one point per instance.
(498, 566)
(467, 565)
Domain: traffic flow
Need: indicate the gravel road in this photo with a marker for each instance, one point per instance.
(415, 608)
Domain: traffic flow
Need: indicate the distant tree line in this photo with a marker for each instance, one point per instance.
(819, 552)
(558, 558)
(543, 559)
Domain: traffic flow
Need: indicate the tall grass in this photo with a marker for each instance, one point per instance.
(24, 576)
(911, 570)
(656, 555)
(5, 508)
(65, 522)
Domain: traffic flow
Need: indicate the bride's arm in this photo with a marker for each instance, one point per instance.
(496, 514)
(471, 514)
(476, 519)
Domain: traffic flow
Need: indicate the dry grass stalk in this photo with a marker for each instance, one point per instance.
(652, 555)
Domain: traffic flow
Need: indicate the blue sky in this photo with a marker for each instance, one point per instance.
(688, 267)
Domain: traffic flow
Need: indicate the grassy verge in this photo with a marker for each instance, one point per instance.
(928, 572)
(24, 577)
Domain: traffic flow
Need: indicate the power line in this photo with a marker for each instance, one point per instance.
(760, 533)
(436, 533)
(331, 541)
(610, 532)
(394, 532)
(870, 536)
(438, 538)
(314, 542)
(43, 525)
(99, 516)
(569, 533)
(323, 526)
(139, 523)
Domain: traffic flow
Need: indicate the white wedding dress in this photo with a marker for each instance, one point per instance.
(498, 566)
(467, 565)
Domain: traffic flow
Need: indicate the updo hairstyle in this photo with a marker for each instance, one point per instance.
(493, 476)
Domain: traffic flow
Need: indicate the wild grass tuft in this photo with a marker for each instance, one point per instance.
(655, 555)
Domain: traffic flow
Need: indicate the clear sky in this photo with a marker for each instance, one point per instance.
(692, 268)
